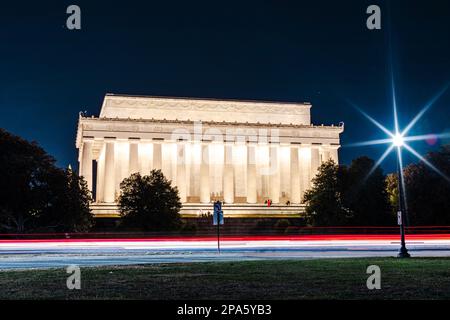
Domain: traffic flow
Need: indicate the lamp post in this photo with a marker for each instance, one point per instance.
(398, 139)
(398, 142)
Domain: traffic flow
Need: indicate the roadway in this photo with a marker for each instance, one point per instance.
(55, 253)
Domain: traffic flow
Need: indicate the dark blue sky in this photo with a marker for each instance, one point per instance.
(316, 51)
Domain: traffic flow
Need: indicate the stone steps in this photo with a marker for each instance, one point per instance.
(237, 210)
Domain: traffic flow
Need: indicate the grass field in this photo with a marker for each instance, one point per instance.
(427, 278)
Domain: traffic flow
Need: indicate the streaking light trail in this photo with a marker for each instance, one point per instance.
(194, 243)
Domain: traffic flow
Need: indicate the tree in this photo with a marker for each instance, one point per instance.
(427, 192)
(324, 200)
(68, 209)
(149, 202)
(365, 194)
(24, 169)
(348, 195)
(34, 193)
(392, 191)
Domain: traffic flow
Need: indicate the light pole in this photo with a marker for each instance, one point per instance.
(398, 142)
(399, 139)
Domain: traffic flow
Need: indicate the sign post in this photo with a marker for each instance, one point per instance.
(218, 220)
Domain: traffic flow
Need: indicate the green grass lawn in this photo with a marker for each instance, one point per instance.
(426, 278)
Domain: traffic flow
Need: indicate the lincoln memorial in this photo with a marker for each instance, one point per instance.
(243, 153)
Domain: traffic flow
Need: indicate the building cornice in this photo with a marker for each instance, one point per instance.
(339, 128)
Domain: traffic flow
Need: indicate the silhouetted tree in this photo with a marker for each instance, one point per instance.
(68, 209)
(365, 195)
(343, 195)
(324, 200)
(34, 193)
(149, 202)
(427, 192)
(24, 169)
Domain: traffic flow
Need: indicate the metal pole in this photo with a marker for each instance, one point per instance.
(403, 252)
(218, 232)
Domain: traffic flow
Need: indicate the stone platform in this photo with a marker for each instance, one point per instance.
(193, 210)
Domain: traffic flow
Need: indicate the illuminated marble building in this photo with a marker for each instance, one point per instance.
(240, 152)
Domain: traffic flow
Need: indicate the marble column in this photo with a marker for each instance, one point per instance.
(86, 163)
(145, 155)
(134, 157)
(251, 174)
(274, 178)
(157, 156)
(194, 170)
(181, 172)
(228, 174)
(295, 175)
(205, 196)
(100, 176)
(334, 154)
(315, 160)
(121, 161)
(324, 154)
(305, 169)
(109, 179)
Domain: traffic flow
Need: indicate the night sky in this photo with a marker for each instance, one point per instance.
(315, 51)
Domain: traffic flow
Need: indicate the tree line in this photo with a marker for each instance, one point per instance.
(35, 194)
(356, 195)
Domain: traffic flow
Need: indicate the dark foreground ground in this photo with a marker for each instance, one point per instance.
(419, 278)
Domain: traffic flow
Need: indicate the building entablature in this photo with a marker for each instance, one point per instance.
(100, 129)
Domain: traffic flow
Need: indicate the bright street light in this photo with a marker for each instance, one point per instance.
(398, 140)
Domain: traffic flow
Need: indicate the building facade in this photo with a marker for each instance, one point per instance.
(241, 152)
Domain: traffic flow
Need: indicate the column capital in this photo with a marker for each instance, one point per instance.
(88, 140)
(335, 146)
(134, 140)
(229, 143)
